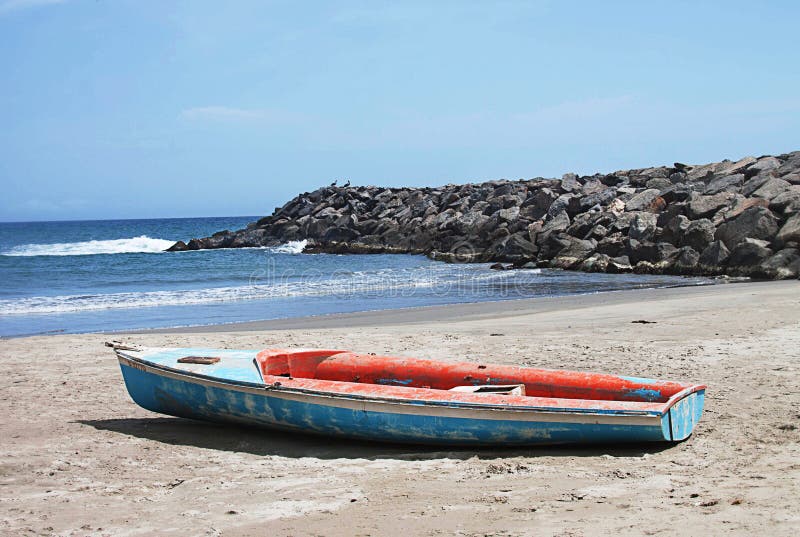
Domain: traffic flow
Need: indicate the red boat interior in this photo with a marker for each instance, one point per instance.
(493, 379)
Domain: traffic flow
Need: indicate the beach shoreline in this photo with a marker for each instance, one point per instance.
(444, 312)
(80, 458)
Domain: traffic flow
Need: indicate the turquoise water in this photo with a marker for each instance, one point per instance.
(114, 275)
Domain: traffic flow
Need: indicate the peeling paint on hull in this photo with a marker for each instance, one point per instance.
(190, 395)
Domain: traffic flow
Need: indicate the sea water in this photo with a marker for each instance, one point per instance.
(82, 276)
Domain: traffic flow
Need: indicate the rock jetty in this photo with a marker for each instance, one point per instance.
(737, 218)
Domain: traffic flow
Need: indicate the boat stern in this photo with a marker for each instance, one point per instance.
(682, 416)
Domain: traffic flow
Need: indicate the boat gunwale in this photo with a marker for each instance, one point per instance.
(239, 385)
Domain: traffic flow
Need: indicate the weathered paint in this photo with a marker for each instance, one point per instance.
(237, 390)
(685, 414)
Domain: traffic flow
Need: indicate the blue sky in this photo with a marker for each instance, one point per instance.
(136, 109)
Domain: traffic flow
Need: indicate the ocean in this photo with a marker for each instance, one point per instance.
(111, 275)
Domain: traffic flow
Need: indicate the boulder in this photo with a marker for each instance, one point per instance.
(764, 164)
(702, 206)
(675, 229)
(595, 263)
(714, 257)
(753, 184)
(677, 192)
(537, 204)
(599, 198)
(569, 182)
(643, 226)
(619, 265)
(749, 253)
(573, 252)
(508, 215)
(658, 183)
(727, 167)
(698, 234)
(179, 246)
(790, 165)
(790, 232)
(642, 200)
(741, 204)
(787, 202)
(612, 245)
(559, 222)
(755, 222)
(783, 265)
(726, 183)
(517, 247)
(771, 188)
(686, 260)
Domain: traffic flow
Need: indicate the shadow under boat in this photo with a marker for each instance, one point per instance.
(264, 442)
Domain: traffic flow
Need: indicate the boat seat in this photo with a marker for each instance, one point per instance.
(300, 363)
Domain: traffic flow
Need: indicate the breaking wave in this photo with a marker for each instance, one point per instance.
(378, 283)
(291, 247)
(140, 244)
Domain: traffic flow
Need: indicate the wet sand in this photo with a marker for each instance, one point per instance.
(80, 458)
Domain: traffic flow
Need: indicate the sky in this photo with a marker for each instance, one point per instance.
(145, 109)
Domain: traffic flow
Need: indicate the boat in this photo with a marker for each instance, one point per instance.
(407, 400)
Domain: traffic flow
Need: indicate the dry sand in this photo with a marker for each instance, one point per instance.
(80, 458)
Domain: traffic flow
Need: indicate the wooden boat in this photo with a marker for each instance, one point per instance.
(383, 398)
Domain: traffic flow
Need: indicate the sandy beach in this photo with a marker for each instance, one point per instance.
(80, 458)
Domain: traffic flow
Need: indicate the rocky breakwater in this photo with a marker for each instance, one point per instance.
(738, 218)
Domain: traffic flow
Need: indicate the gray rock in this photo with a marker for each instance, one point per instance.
(658, 183)
(556, 222)
(686, 260)
(749, 253)
(675, 229)
(595, 263)
(787, 202)
(753, 184)
(726, 183)
(643, 226)
(728, 168)
(677, 192)
(699, 234)
(765, 164)
(783, 265)
(771, 188)
(793, 178)
(755, 222)
(599, 198)
(573, 253)
(560, 205)
(619, 265)
(517, 247)
(714, 256)
(593, 186)
(508, 215)
(642, 200)
(790, 232)
(569, 182)
(789, 166)
(702, 206)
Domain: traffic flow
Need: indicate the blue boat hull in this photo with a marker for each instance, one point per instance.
(254, 405)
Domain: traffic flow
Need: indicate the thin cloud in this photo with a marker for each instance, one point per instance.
(237, 115)
(9, 6)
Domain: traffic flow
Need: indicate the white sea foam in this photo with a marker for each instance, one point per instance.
(444, 279)
(291, 247)
(142, 243)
